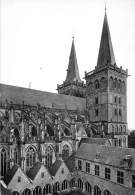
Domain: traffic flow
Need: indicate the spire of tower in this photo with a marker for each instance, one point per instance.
(106, 54)
(73, 71)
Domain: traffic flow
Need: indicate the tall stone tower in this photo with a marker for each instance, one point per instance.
(106, 94)
(73, 85)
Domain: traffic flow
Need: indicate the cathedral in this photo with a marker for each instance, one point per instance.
(41, 129)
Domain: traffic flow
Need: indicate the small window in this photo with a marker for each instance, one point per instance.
(96, 111)
(107, 173)
(133, 181)
(79, 165)
(19, 179)
(96, 100)
(120, 177)
(87, 167)
(42, 175)
(120, 112)
(115, 99)
(62, 171)
(119, 100)
(97, 170)
(115, 112)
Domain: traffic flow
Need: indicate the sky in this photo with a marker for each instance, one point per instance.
(36, 36)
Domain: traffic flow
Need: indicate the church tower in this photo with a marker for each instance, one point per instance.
(73, 85)
(106, 94)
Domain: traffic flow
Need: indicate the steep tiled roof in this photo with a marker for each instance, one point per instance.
(70, 162)
(54, 168)
(4, 191)
(106, 155)
(34, 170)
(47, 99)
(10, 174)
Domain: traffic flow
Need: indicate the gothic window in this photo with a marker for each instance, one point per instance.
(30, 157)
(27, 192)
(120, 112)
(96, 84)
(120, 100)
(103, 82)
(88, 187)
(64, 185)
(79, 165)
(15, 156)
(106, 192)
(34, 131)
(115, 99)
(65, 152)
(111, 83)
(37, 191)
(3, 162)
(96, 100)
(115, 83)
(47, 189)
(97, 190)
(80, 184)
(56, 187)
(96, 112)
(119, 85)
(123, 87)
(115, 111)
(90, 86)
(72, 183)
(48, 156)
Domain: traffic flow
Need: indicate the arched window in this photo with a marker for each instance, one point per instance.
(47, 189)
(3, 162)
(97, 190)
(15, 156)
(107, 192)
(30, 157)
(119, 85)
(96, 84)
(123, 87)
(64, 185)
(88, 187)
(65, 152)
(34, 131)
(80, 184)
(37, 191)
(72, 183)
(48, 156)
(115, 83)
(90, 87)
(16, 193)
(56, 187)
(27, 192)
(111, 83)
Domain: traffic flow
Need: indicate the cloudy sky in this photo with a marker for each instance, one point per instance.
(36, 39)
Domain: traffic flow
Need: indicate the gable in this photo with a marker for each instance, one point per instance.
(43, 175)
(19, 181)
(62, 173)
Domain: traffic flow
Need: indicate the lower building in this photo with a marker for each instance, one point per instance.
(103, 170)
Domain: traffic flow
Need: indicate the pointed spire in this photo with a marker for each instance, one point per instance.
(106, 54)
(73, 71)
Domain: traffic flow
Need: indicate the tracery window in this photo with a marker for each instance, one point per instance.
(65, 152)
(48, 156)
(3, 162)
(15, 156)
(30, 157)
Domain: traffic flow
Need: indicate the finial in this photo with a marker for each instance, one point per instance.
(73, 37)
(105, 7)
